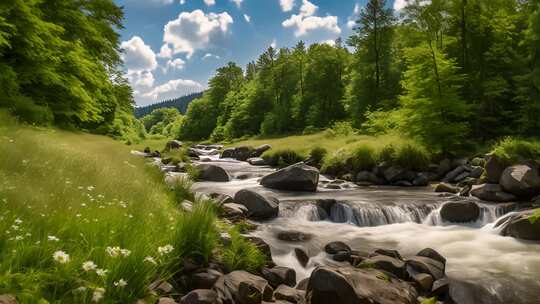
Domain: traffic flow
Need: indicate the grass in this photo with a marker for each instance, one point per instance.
(241, 254)
(77, 195)
(513, 150)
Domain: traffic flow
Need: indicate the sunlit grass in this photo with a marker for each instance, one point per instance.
(78, 194)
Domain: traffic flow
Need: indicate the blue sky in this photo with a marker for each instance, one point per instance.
(172, 47)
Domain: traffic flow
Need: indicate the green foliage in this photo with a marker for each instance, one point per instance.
(163, 121)
(535, 217)
(282, 157)
(363, 158)
(430, 301)
(182, 190)
(413, 157)
(317, 154)
(241, 254)
(343, 128)
(514, 150)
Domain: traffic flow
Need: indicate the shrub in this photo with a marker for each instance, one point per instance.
(282, 158)
(317, 155)
(336, 163)
(195, 234)
(412, 157)
(363, 158)
(514, 150)
(310, 130)
(387, 154)
(242, 254)
(343, 128)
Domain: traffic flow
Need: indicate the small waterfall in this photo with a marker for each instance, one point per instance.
(307, 212)
(489, 213)
(368, 215)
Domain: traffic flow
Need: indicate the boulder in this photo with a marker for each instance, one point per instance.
(452, 175)
(258, 151)
(242, 287)
(441, 288)
(424, 281)
(422, 264)
(228, 153)
(522, 226)
(460, 212)
(289, 294)
(356, 286)
(173, 145)
(521, 180)
(301, 256)
(335, 247)
(394, 173)
(298, 177)
(280, 275)
(432, 254)
(212, 173)
(444, 167)
(444, 187)
(342, 256)
(294, 236)
(369, 177)
(421, 180)
(494, 168)
(302, 285)
(476, 172)
(204, 279)
(233, 211)
(258, 205)
(389, 264)
(256, 161)
(492, 193)
(200, 296)
(388, 252)
(242, 153)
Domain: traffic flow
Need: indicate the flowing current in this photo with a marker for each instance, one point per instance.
(484, 267)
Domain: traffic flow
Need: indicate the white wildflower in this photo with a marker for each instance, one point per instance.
(121, 283)
(52, 238)
(89, 266)
(163, 250)
(101, 272)
(18, 221)
(81, 289)
(90, 188)
(150, 260)
(98, 294)
(117, 251)
(61, 257)
(125, 252)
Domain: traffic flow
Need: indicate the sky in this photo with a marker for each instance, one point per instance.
(172, 47)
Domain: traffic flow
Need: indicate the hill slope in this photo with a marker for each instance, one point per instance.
(180, 103)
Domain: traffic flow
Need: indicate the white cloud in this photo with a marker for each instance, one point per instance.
(140, 80)
(210, 2)
(195, 30)
(399, 4)
(175, 64)
(274, 43)
(351, 24)
(247, 18)
(182, 2)
(308, 8)
(305, 25)
(137, 55)
(238, 3)
(286, 5)
(356, 10)
(165, 52)
(330, 42)
(209, 55)
(351, 21)
(172, 89)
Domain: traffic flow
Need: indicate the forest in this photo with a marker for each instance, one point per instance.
(449, 73)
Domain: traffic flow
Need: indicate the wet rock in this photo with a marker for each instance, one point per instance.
(162, 287)
(452, 175)
(492, 193)
(421, 180)
(342, 256)
(258, 205)
(204, 279)
(521, 180)
(298, 177)
(388, 252)
(302, 285)
(256, 161)
(370, 177)
(258, 151)
(476, 172)
(243, 288)
(432, 254)
(234, 211)
(294, 236)
(394, 173)
(389, 264)
(326, 204)
(242, 153)
(221, 199)
(447, 188)
(444, 167)
(286, 293)
(212, 173)
(403, 183)
(465, 191)
(335, 247)
(280, 275)
(352, 285)
(200, 296)
(522, 226)
(228, 153)
(460, 212)
(494, 168)
(262, 245)
(424, 281)
(173, 145)
(441, 288)
(422, 264)
(301, 256)
(333, 187)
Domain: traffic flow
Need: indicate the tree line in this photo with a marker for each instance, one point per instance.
(445, 71)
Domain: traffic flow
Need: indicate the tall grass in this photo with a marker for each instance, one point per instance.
(242, 254)
(85, 196)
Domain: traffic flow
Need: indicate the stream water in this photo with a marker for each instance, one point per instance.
(483, 266)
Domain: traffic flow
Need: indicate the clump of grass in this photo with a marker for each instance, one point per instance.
(195, 234)
(242, 254)
(363, 158)
(412, 157)
(282, 157)
(513, 150)
(535, 217)
(317, 155)
(181, 188)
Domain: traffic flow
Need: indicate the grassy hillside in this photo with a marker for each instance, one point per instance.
(80, 218)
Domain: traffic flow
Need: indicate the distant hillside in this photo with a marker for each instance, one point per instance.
(180, 103)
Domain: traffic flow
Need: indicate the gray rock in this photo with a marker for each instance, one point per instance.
(394, 173)
(421, 180)
(256, 161)
(280, 275)
(494, 168)
(441, 288)
(432, 254)
(342, 256)
(287, 293)
(444, 167)
(298, 177)
(476, 172)
(424, 280)
(301, 256)
(262, 245)
(335, 247)
(403, 183)
(492, 193)
(460, 212)
(242, 287)
(444, 187)
(232, 210)
(521, 226)
(294, 236)
(370, 177)
(228, 153)
(355, 286)
(451, 176)
(258, 151)
(388, 252)
(212, 173)
(389, 264)
(200, 296)
(204, 279)
(242, 153)
(302, 285)
(173, 145)
(422, 264)
(258, 205)
(521, 180)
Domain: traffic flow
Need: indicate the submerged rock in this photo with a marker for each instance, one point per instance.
(335, 247)
(523, 226)
(460, 212)
(258, 205)
(256, 161)
(298, 177)
(521, 180)
(356, 286)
